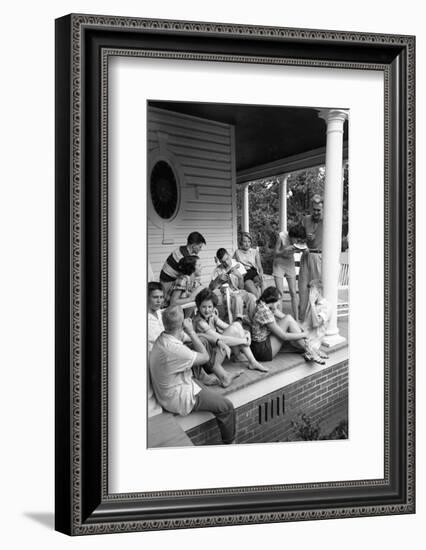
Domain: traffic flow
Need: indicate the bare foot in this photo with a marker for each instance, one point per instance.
(210, 380)
(227, 379)
(258, 366)
(239, 358)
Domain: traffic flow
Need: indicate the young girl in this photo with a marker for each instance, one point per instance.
(186, 286)
(250, 259)
(225, 337)
(271, 328)
(283, 266)
(316, 320)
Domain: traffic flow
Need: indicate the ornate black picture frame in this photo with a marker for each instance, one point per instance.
(83, 45)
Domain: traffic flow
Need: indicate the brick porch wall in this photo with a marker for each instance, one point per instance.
(322, 396)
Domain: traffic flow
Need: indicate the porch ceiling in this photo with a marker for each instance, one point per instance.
(263, 134)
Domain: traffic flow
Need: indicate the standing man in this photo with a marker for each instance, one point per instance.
(169, 272)
(310, 262)
(171, 364)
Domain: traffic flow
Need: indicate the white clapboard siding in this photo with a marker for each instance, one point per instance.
(204, 152)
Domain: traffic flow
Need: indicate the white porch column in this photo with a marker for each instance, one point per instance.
(332, 216)
(245, 209)
(283, 204)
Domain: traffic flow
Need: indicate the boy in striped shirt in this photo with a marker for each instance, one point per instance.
(169, 272)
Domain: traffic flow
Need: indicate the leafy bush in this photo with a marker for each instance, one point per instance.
(306, 430)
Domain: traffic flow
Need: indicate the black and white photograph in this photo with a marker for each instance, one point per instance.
(248, 273)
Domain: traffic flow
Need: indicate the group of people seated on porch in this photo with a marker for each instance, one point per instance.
(188, 348)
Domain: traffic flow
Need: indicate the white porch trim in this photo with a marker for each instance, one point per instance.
(245, 223)
(295, 163)
(332, 217)
(283, 203)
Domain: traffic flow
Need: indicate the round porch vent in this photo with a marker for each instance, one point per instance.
(164, 190)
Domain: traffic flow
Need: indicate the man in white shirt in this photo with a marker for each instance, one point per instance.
(230, 272)
(155, 303)
(155, 328)
(171, 365)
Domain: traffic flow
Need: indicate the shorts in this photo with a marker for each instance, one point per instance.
(284, 267)
(251, 274)
(262, 351)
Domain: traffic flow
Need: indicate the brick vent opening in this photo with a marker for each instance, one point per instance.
(271, 408)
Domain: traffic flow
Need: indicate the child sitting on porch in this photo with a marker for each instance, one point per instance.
(155, 303)
(227, 337)
(249, 258)
(271, 328)
(187, 285)
(228, 281)
(171, 366)
(316, 320)
(155, 328)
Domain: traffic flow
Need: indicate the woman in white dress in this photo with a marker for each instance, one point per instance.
(250, 259)
(316, 320)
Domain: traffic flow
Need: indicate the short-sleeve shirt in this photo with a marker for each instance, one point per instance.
(246, 257)
(201, 325)
(285, 242)
(185, 284)
(169, 271)
(288, 260)
(262, 317)
(155, 328)
(170, 364)
(220, 270)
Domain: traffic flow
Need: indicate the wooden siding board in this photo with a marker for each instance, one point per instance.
(197, 145)
(234, 191)
(198, 172)
(161, 115)
(208, 199)
(179, 132)
(212, 164)
(186, 153)
(193, 206)
(206, 181)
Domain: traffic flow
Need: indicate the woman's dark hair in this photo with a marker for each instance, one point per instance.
(270, 295)
(154, 285)
(195, 238)
(203, 295)
(221, 253)
(297, 231)
(186, 265)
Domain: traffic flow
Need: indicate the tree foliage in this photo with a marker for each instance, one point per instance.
(264, 201)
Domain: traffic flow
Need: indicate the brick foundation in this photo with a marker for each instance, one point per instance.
(323, 397)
